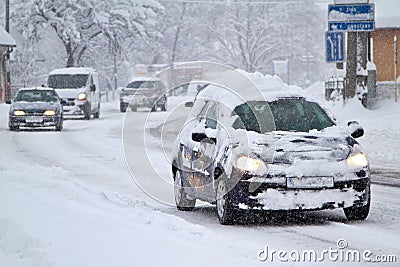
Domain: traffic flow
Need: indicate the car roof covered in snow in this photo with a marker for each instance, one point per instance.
(36, 88)
(136, 79)
(249, 87)
(72, 71)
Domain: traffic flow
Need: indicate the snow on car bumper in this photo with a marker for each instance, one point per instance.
(274, 194)
(36, 121)
(275, 199)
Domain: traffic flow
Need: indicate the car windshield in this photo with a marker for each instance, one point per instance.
(64, 81)
(295, 115)
(141, 84)
(36, 96)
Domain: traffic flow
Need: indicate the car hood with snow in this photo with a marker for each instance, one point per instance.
(317, 153)
(35, 105)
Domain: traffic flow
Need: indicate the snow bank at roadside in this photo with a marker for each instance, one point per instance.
(48, 219)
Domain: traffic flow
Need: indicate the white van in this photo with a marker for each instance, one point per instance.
(79, 88)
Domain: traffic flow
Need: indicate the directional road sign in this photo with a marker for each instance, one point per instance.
(334, 46)
(356, 12)
(352, 26)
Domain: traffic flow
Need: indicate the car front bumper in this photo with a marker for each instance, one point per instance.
(34, 121)
(274, 194)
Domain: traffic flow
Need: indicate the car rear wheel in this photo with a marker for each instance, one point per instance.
(224, 207)
(359, 213)
(181, 200)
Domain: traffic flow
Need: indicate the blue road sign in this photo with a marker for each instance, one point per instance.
(352, 26)
(356, 12)
(334, 46)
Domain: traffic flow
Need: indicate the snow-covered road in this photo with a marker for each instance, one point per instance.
(68, 199)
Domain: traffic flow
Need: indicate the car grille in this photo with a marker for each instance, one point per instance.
(37, 112)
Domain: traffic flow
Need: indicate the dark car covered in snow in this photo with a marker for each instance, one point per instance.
(143, 92)
(283, 152)
(35, 107)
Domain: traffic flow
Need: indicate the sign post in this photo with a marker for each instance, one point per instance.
(357, 18)
(395, 67)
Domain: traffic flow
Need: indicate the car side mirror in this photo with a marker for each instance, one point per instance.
(93, 88)
(8, 102)
(200, 137)
(354, 129)
(189, 104)
(63, 102)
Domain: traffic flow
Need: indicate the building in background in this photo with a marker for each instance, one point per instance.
(6, 45)
(384, 55)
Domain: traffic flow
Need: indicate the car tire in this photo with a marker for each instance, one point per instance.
(60, 125)
(182, 202)
(14, 128)
(123, 107)
(87, 112)
(134, 108)
(97, 114)
(223, 203)
(164, 106)
(359, 213)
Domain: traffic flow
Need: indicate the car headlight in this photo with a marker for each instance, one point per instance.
(357, 160)
(19, 113)
(251, 165)
(49, 113)
(82, 96)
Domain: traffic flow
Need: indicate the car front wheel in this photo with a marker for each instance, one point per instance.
(97, 114)
(87, 111)
(59, 125)
(13, 128)
(359, 213)
(181, 199)
(224, 207)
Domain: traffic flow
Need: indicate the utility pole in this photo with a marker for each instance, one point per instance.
(395, 68)
(351, 65)
(6, 58)
(115, 73)
(8, 16)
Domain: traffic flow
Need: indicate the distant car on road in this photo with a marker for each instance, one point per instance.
(279, 153)
(143, 92)
(79, 88)
(35, 107)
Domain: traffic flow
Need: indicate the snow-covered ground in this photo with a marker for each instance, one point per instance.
(68, 199)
